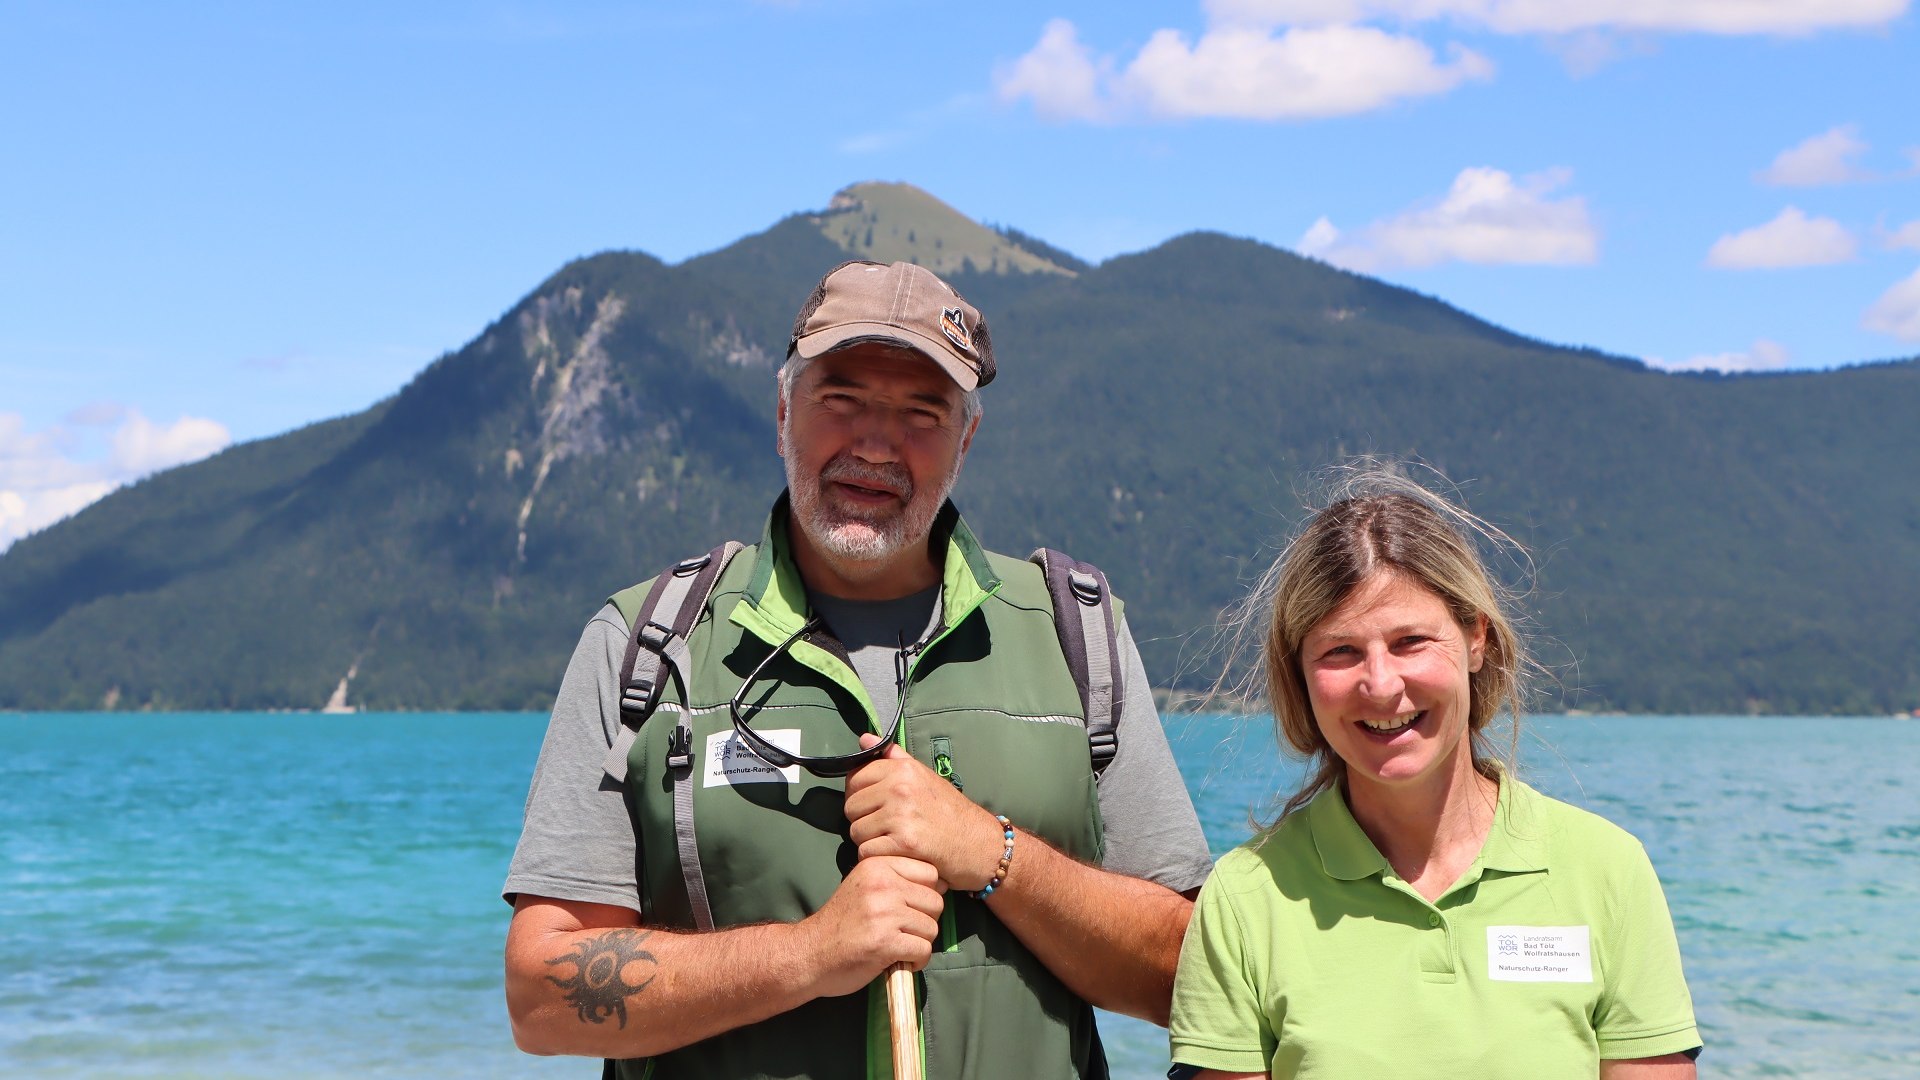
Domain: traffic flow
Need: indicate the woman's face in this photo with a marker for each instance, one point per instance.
(1387, 676)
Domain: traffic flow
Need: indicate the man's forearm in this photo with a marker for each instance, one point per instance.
(585, 979)
(628, 992)
(1113, 939)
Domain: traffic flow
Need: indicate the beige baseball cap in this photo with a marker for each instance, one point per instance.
(901, 303)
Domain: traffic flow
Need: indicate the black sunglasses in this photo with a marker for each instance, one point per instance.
(830, 766)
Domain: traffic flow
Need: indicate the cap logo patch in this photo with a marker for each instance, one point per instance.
(954, 324)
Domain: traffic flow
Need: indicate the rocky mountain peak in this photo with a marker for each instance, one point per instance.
(891, 222)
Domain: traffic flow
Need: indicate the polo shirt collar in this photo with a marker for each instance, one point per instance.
(1346, 852)
(1516, 843)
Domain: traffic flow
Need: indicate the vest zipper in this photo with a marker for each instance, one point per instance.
(905, 663)
(943, 761)
(908, 660)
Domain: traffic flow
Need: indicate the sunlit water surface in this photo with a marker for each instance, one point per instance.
(244, 895)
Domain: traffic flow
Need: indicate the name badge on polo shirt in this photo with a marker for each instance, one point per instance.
(1539, 954)
(732, 761)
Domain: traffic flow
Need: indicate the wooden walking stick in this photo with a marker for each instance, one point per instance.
(904, 1013)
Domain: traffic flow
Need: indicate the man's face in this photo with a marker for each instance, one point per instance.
(873, 439)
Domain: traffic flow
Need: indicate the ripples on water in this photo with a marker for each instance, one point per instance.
(244, 895)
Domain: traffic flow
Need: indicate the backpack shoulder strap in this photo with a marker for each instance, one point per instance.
(1083, 617)
(658, 639)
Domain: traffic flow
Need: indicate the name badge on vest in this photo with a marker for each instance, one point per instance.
(732, 761)
(1539, 954)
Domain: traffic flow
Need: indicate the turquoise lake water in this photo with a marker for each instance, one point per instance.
(251, 895)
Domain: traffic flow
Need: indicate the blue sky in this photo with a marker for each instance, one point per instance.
(222, 221)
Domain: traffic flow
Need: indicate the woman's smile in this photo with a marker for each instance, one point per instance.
(1388, 675)
(1393, 725)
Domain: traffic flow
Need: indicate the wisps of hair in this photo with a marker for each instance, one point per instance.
(1371, 515)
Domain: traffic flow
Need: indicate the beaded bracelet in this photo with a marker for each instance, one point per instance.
(1006, 857)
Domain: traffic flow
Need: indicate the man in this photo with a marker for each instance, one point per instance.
(685, 908)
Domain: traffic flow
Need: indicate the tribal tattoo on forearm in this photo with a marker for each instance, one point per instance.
(599, 986)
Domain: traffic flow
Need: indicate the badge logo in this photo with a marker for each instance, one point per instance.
(1540, 954)
(731, 761)
(953, 323)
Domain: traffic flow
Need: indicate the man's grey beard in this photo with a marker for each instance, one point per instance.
(848, 537)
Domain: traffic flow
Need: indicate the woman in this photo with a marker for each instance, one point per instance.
(1416, 910)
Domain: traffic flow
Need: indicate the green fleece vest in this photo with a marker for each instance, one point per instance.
(992, 694)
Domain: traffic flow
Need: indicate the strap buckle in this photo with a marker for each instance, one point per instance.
(638, 698)
(679, 748)
(1103, 744)
(1086, 587)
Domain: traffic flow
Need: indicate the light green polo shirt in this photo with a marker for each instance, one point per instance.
(1309, 957)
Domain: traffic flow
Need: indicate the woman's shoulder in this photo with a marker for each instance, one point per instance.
(1571, 832)
(1280, 852)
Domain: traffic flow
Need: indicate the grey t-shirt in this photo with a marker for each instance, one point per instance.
(875, 633)
(578, 844)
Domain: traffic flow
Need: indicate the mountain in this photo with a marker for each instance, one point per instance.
(894, 222)
(1704, 543)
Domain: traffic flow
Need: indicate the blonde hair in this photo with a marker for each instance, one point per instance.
(1377, 520)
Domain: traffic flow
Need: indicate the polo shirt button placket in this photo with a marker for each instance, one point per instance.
(1438, 962)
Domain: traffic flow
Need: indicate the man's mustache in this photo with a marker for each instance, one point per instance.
(892, 478)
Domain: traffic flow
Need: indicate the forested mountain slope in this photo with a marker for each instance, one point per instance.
(1705, 542)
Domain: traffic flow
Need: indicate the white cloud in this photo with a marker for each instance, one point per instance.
(1566, 16)
(1302, 59)
(1763, 356)
(23, 513)
(48, 475)
(1061, 76)
(1827, 158)
(1897, 312)
(35, 459)
(1791, 239)
(1302, 73)
(1232, 71)
(1319, 238)
(1906, 236)
(1485, 217)
(141, 446)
